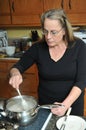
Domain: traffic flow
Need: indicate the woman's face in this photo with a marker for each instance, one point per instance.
(53, 32)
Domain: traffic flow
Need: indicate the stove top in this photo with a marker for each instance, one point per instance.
(52, 122)
(39, 121)
(37, 124)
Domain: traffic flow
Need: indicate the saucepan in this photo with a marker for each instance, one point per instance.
(24, 115)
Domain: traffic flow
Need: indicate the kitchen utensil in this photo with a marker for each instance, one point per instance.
(73, 123)
(24, 103)
(65, 119)
(23, 117)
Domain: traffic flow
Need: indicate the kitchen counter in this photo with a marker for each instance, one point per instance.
(40, 121)
(52, 123)
(16, 56)
(9, 58)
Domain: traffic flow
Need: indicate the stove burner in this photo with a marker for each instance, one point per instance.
(8, 126)
(5, 122)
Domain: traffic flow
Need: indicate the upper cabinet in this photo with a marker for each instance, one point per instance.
(20, 12)
(5, 16)
(75, 9)
(28, 12)
(48, 4)
(75, 6)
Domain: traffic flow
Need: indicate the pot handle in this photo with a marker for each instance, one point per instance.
(46, 106)
(50, 106)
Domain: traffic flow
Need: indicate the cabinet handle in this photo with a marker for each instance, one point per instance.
(69, 4)
(62, 4)
(13, 9)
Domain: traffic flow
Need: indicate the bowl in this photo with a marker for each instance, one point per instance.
(72, 123)
(10, 50)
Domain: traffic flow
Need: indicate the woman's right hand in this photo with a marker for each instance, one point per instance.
(15, 79)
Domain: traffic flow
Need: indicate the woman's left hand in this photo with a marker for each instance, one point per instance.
(59, 111)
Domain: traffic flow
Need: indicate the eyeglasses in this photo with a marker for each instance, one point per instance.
(53, 32)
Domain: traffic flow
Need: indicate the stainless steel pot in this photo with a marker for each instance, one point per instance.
(16, 112)
(20, 114)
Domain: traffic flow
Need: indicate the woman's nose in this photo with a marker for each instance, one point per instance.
(49, 35)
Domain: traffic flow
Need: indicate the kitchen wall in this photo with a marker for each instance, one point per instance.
(21, 32)
(24, 32)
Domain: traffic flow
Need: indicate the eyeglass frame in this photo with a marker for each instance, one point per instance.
(52, 32)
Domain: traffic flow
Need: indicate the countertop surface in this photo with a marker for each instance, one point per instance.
(16, 56)
(52, 123)
(9, 58)
(40, 120)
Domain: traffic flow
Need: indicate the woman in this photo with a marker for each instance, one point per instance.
(61, 62)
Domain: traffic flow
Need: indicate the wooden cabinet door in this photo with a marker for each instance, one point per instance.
(5, 17)
(23, 7)
(72, 6)
(30, 82)
(26, 12)
(75, 6)
(4, 82)
(29, 85)
(76, 11)
(49, 4)
(5, 91)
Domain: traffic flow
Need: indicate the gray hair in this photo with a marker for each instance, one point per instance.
(59, 14)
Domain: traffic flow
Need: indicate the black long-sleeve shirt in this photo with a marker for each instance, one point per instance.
(56, 79)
